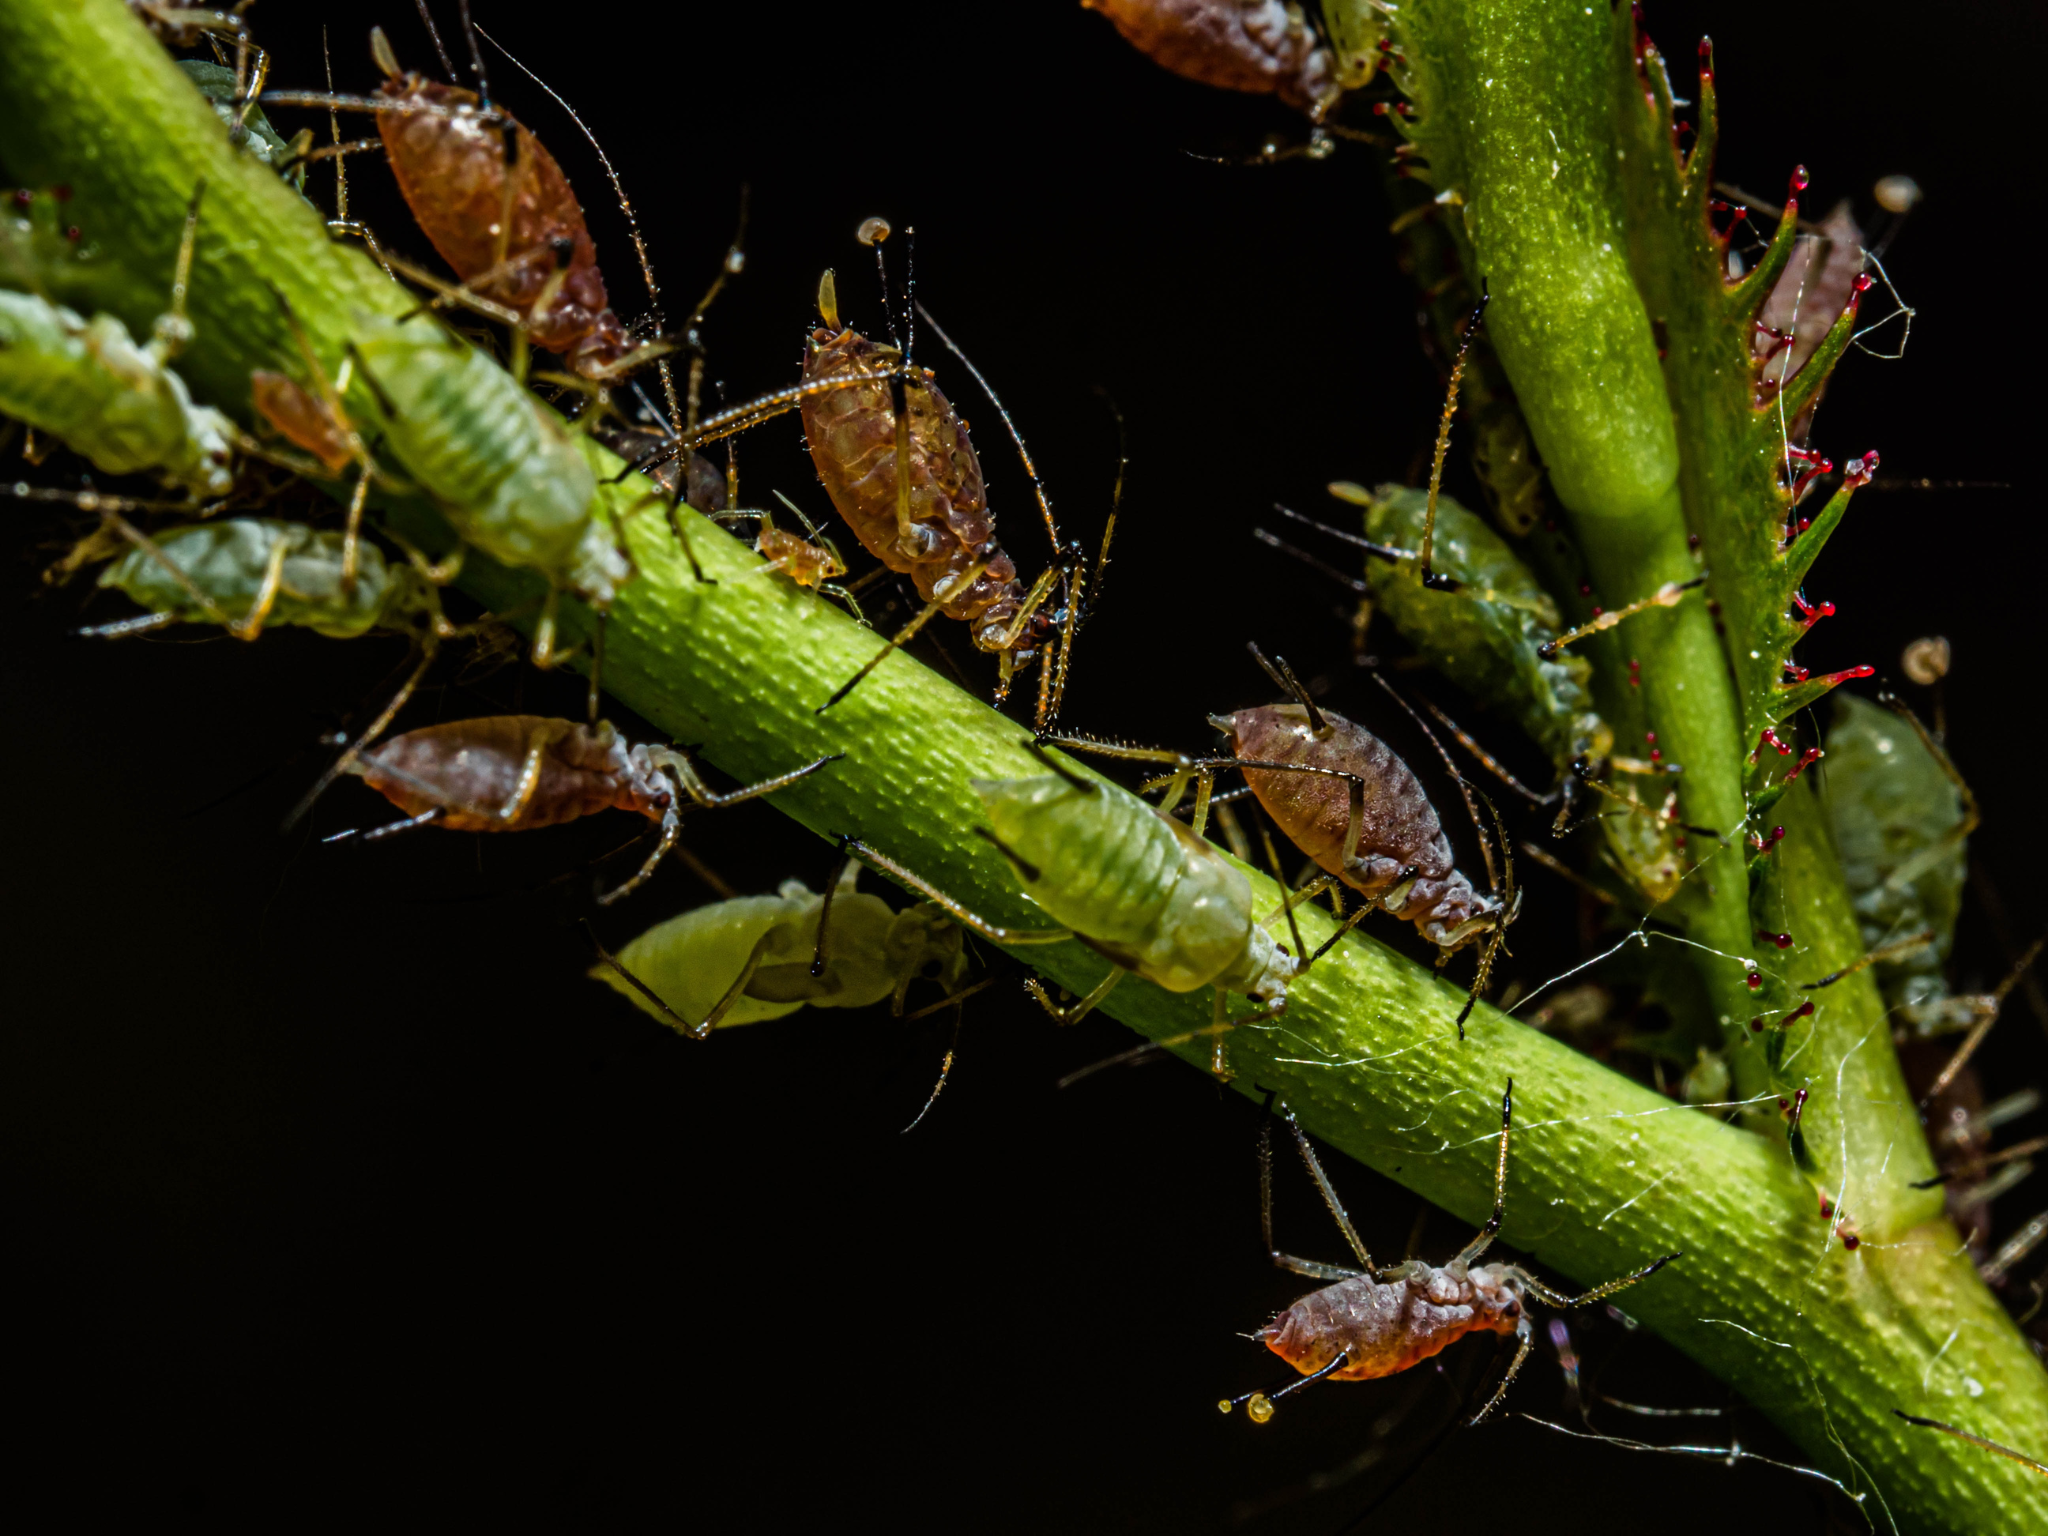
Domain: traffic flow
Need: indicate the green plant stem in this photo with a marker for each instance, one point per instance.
(1502, 88)
(1605, 1173)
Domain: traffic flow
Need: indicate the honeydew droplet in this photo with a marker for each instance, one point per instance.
(1259, 1409)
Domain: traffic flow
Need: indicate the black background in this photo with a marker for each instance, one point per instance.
(331, 1182)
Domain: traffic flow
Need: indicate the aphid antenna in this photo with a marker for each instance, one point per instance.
(1487, 761)
(958, 1003)
(1313, 562)
(1284, 678)
(1890, 951)
(1386, 552)
(1666, 596)
(434, 32)
(1430, 578)
(355, 748)
(476, 58)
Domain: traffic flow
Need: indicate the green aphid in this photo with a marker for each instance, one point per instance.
(87, 384)
(245, 121)
(511, 480)
(749, 959)
(1484, 635)
(245, 573)
(1901, 825)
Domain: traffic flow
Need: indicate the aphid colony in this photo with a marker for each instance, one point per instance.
(414, 407)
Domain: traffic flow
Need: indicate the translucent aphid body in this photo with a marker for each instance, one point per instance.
(757, 957)
(459, 175)
(1899, 824)
(87, 383)
(1400, 842)
(1136, 887)
(514, 773)
(948, 546)
(251, 572)
(1374, 1322)
(506, 473)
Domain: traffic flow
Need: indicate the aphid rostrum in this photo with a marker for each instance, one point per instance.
(1372, 1322)
(895, 458)
(513, 773)
(88, 384)
(759, 957)
(1140, 889)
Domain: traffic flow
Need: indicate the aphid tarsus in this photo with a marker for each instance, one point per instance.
(1373, 1322)
(513, 773)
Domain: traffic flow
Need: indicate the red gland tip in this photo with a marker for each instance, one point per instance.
(1807, 759)
(1858, 472)
(1851, 1241)
(1863, 284)
(1800, 180)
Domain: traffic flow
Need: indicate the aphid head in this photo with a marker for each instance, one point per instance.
(926, 944)
(1497, 1301)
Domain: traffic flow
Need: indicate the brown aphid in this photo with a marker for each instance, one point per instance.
(514, 773)
(501, 213)
(301, 418)
(805, 563)
(1375, 1322)
(1399, 854)
(1263, 46)
(947, 545)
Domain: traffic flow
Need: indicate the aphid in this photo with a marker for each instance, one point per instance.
(87, 383)
(1902, 818)
(244, 573)
(1267, 47)
(760, 957)
(513, 773)
(1344, 798)
(497, 207)
(1375, 1322)
(1140, 889)
(896, 461)
(234, 102)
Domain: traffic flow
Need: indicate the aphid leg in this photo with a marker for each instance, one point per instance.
(1927, 858)
(678, 765)
(1484, 1239)
(840, 881)
(1977, 1440)
(1464, 788)
(425, 818)
(1075, 1012)
(1525, 1339)
(1552, 1298)
(958, 1003)
(1312, 1268)
(1287, 904)
(171, 329)
(151, 548)
(250, 625)
(1443, 445)
(901, 638)
(699, 1030)
(1975, 1037)
(330, 399)
(1220, 1026)
(671, 829)
(953, 908)
(543, 654)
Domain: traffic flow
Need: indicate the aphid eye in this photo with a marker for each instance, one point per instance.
(563, 248)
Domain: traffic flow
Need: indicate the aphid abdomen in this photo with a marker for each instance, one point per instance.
(87, 383)
(694, 957)
(469, 770)
(451, 169)
(1133, 885)
(1264, 46)
(1387, 1326)
(229, 561)
(852, 437)
(505, 472)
